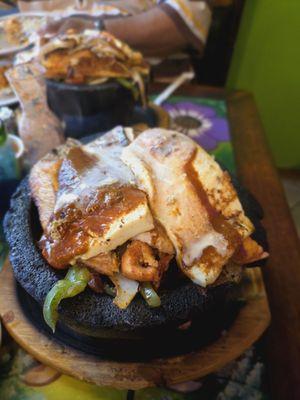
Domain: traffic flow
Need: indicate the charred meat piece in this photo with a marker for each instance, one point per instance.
(139, 262)
(95, 283)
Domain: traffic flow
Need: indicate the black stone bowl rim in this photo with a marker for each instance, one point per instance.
(89, 309)
(111, 84)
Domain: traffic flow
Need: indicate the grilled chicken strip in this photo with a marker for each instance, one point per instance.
(44, 185)
(157, 239)
(192, 198)
(104, 263)
(98, 206)
(43, 180)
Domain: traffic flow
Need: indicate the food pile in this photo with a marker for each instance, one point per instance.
(17, 30)
(92, 58)
(116, 211)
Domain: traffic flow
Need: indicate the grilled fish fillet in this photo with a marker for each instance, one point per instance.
(192, 198)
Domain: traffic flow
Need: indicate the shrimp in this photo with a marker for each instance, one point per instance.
(139, 263)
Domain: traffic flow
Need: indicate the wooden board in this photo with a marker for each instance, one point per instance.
(282, 273)
(257, 171)
(250, 323)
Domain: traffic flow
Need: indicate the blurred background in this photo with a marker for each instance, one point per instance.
(252, 45)
(266, 62)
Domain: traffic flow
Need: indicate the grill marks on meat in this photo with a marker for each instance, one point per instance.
(213, 255)
(192, 198)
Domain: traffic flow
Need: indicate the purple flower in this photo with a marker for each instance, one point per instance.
(199, 122)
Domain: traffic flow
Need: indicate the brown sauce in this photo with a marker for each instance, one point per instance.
(75, 227)
(217, 220)
(81, 160)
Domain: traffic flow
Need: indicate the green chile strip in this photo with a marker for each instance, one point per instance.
(74, 283)
(150, 295)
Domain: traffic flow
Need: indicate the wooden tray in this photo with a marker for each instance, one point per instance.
(252, 320)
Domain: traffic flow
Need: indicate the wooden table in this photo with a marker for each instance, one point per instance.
(282, 273)
(257, 171)
(251, 321)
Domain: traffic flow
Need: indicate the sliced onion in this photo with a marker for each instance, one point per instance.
(126, 290)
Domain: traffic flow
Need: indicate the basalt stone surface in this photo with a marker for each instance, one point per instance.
(90, 312)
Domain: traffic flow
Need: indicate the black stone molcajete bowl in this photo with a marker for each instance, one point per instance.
(89, 309)
(87, 109)
(90, 316)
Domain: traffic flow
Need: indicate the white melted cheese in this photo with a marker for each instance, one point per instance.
(195, 249)
(202, 276)
(65, 199)
(108, 169)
